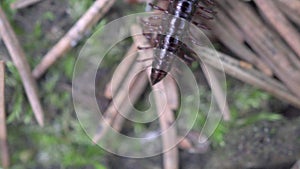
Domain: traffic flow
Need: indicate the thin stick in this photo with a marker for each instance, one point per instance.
(19, 59)
(172, 93)
(251, 76)
(169, 136)
(296, 165)
(223, 19)
(90, 18)
(3, 135)
(136, 91)
(288, 12)
(235, 43)
(192, 142)
(280, 23)
(23, 4)
(118, 102)
(166, 116)
(265, 42)
(294, 5)
(217, 91)
(113, 86)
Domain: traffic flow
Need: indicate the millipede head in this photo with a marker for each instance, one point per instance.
(157, 75)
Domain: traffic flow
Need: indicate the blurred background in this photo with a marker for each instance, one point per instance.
(263, 130)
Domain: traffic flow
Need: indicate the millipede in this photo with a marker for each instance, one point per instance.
(175, 28)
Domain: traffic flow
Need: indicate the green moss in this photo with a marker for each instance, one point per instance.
(49, 16)
(77, 8)
(19, 110)
(5, 4)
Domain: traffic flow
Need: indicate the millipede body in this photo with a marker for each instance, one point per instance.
(175, 29)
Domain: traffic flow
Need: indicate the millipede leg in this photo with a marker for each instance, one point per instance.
(210, 2)
(205, 9)
(147, 23)
(202, 26)
(148, 36)
(187, 59)
(145, 47)
(151, 40)
(158, 8)
(201, 14)
(154, 18)
(193, 40)
(150, 26)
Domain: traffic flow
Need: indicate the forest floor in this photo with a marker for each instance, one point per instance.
(263, 133)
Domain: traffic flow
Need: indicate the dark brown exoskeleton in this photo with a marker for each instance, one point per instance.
(174, 29)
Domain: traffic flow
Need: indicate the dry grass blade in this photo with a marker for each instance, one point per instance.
(23, 3)
(90, 18)
(3, 135)
(19, 59)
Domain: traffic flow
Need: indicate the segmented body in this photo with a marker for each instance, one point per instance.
(174, 28)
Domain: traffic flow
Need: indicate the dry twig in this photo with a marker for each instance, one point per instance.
(231, 37)
(19, 59)
(293, 5)
(119, 100)
(251, 76)
(23, 3)
(193, 142)
(280, 23)
(289, 12)
(121, 72)
(266, 43)
(135, 92)
(90, 18)
(217, 91)
(3, 135)
(166, 119)
(169, 135)
(297, 165)
(172, 93)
